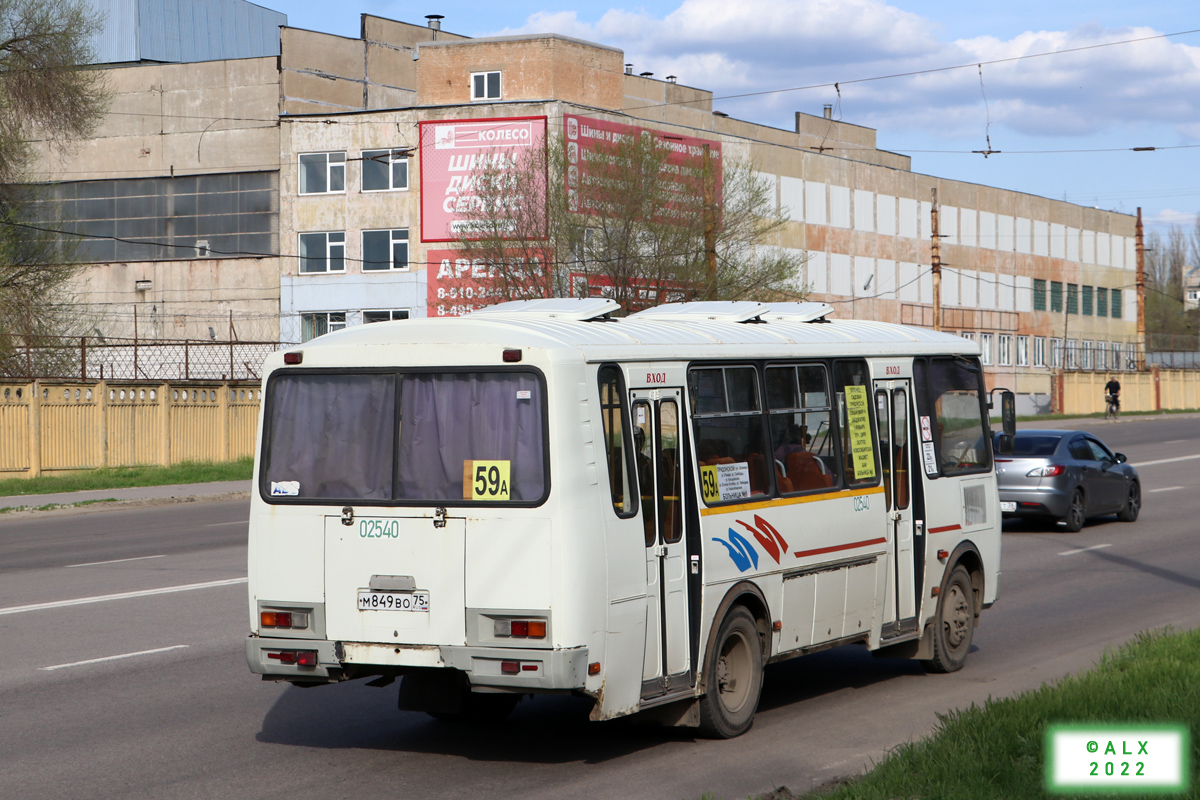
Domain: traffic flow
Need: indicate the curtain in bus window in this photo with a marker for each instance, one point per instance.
(962, 443)
(331, 437)
(449, 420)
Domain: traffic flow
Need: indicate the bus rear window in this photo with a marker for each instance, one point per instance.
(450, 438)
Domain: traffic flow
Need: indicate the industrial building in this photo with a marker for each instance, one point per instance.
(284, 190)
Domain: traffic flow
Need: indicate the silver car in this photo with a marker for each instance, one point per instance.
(1066, 477)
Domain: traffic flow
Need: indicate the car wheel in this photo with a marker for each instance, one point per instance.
(1075, 513)
(954, 623)
(1133, 504)
(735, 678)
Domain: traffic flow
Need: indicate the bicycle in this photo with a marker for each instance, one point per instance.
(1113, 406)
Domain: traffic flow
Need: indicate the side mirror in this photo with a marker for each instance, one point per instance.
(1008, 412)
(1121, 459)
(1004, 444)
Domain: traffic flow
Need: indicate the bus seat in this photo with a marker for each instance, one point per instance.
(785, 485)
(758, 473)
(804, 473)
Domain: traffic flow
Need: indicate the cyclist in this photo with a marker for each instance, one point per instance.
(1112, 390)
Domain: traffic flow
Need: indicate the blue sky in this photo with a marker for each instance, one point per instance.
(1133, 95)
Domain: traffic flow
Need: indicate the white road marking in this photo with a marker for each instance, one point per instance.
(114, 658)
(1177, 441)
(1166, 489)
(224, 524)
(103, 598)
(1166, 461)
(114, 561)
(1083, 549)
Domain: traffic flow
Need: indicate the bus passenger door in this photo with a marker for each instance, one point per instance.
(892, 412)
(658, 438)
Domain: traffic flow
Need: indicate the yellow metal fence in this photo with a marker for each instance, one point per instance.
(51, 427)
(1156, 390)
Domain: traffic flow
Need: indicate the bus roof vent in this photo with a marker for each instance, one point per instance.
(703, 311)
(798, 312)
(566, 308)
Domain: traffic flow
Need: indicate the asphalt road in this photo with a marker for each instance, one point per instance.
(147, 694)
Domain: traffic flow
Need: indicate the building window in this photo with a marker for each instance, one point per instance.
(314, 325)
(384, 250)
(1101, 302)
(1056, 353)
(1005, 355)
(1022, 351)
(322, 173)
(1039, 351)
(1039, 295)
(1087, 301)
(1116, 356)
(384, 170)
(1116, 304)
(1085, 354)
(985, 344)
(384, 316)
(1056, 296)
(485, 85)
(1071, 360)
(322, 252)
(1072, 298)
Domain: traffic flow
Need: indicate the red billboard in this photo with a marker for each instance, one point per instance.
(456, 284)
(452, 154)
(592, 144)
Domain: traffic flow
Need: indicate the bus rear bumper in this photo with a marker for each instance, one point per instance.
(319, 661)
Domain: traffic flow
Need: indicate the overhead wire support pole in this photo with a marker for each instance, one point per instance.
(1141, 292)
(935, 262)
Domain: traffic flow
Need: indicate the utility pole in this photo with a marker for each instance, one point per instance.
(710, 225)
(1141, 293)
(936, 264)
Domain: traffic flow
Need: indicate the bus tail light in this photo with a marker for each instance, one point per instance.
(284, 619)
(299, 658)
(293, 357)
(520, 628)
(510, 667)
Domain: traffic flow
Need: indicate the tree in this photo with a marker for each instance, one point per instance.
(45, 96)
(641, 219)
(1167, 259)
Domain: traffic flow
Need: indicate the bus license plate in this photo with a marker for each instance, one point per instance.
(1006, 506)
(392, 601)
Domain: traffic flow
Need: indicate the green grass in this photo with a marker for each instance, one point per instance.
(122, 477)
(1100, 415)
(997, 751)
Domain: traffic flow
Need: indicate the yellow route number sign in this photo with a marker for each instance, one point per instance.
(486, 480)
(859, 421)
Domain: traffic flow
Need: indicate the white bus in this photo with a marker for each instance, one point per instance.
(541, 498)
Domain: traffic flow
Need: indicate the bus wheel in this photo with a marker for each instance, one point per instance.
(735, 677)
(954, 624)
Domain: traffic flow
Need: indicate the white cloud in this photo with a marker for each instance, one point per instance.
(1169, 216)
(754, 45)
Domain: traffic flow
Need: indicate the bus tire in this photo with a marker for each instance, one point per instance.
(954, 624)
(734, 677)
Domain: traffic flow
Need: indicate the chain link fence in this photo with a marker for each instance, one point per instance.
(107, 358)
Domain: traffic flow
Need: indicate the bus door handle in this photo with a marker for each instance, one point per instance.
(919, 527)
(695, 565)
(660, 550)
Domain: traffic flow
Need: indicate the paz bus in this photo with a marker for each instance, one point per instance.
(541, 497)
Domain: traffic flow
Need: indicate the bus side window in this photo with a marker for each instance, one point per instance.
(643, 442)
(616, 434)
(951, 388)
(798, 401)
(729, 433)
